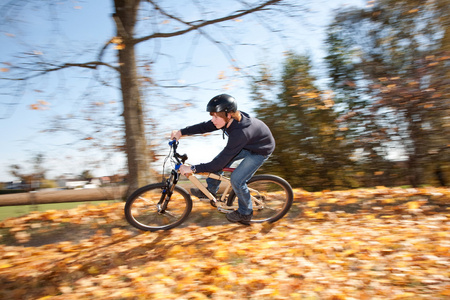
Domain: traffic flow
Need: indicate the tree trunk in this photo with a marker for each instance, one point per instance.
(136, 145)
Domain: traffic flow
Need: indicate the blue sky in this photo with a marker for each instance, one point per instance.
(87, 25)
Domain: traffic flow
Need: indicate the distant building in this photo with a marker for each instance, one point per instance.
(15, 185)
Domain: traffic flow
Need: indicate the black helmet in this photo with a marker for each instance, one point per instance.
(222, 102)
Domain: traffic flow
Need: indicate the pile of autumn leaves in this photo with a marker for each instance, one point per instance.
(359, 244)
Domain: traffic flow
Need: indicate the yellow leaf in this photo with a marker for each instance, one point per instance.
(224, 270)
(11, 254)
(93, 270)
(221, 254)
(221, 75)
(119, 47)
(388, 201)
(311, 203)
(296, 272)
(405, 295)
(380, 187)
(319, 215)
(442, 234)
(348, 252)
(116, 40)
(176, 250)
(350, 201)
(413, 205)
(332, 200)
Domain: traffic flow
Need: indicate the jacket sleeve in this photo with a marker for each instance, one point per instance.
(200, 128)
(233, 147)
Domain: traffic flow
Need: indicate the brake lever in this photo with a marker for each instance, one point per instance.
(183, 157)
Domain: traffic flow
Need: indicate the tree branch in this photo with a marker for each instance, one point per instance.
(88, 65)
(193, 26)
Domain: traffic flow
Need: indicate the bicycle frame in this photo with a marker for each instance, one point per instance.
(271, 197)
(220, 204)
(180, 160)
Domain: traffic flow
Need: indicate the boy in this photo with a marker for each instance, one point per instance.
(249, 139)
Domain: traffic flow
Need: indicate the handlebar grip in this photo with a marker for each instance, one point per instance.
(172, 141)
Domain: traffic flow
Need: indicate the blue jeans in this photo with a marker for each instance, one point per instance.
(244, 171)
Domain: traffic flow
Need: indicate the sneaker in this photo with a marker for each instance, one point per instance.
(236, 216)
(199, 194)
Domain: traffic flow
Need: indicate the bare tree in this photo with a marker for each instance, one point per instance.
(128, 18)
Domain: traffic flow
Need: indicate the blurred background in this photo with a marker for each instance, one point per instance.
(355, 92)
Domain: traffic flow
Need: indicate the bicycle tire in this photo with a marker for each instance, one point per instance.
(141, 209)
(273, 194)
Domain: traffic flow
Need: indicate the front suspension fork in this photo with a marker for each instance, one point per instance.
(167, 192)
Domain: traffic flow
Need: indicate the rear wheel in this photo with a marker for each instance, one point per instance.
(143, 212)
(272, 197)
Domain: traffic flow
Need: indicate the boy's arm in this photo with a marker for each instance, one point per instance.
(203, 127)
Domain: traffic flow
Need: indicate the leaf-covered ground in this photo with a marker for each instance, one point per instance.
(360, 244)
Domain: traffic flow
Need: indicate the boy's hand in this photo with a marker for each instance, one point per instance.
(175, 134)
(185, 170)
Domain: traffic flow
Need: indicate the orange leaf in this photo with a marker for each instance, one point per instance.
(221, 75)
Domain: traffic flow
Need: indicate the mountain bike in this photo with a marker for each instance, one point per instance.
(165, 205)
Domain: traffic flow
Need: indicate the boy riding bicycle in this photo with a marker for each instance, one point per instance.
(249, 139)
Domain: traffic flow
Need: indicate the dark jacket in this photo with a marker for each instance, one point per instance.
(250, 134)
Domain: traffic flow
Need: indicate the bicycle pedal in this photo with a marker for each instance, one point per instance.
(225, 211)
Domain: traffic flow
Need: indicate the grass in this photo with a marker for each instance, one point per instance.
(20, 210)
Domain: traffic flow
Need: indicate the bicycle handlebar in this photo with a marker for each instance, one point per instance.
(174, 144)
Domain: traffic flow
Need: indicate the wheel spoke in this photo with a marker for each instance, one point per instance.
(148, 201)
(168, 213)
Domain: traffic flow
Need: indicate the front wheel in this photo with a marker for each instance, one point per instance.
(143, 212)
(271, 196)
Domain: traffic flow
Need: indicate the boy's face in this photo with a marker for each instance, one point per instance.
(219, 122)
